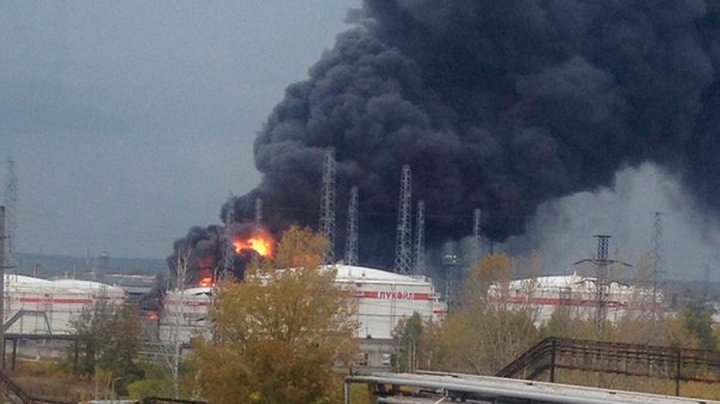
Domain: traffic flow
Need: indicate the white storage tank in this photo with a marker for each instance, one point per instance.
(41, 306)
(383, 299)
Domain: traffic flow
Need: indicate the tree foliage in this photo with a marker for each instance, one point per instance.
(483, 335)
(108, 340)
(406, 337)
(697, 319)
(280, 332)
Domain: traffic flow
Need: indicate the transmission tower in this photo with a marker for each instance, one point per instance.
(351, 242)
(229, 261)
(258, 214)
(602, 282)
(658, 260)
(327, 205)
(420, 239)
(403, 247)
(11, 201)
(477, 236)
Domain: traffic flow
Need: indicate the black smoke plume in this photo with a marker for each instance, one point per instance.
(204, 249)
(500, 105)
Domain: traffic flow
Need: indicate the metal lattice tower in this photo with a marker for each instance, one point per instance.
(353, 237)
(327, 205)
(403, 247)
(229, 255)
(258, 213)
(11, 202)
(477, 236)
(658, 260)
(601, 280)
(420, 239)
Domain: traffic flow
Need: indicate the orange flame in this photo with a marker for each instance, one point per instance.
(261, 244)
(206, 281)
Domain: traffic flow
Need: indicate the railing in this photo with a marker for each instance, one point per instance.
(616, 358)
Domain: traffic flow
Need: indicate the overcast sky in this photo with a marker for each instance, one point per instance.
(131, 121)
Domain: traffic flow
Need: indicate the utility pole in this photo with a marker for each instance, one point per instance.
(403, 246)
(420, 240)
(353, 237)
(327, 205)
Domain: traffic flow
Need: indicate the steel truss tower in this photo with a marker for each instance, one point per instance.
(327, 205)
(403, 247)
(658, 261)
(420, 239)
(477, 236)
(229, 254)
(11, 202)
(602, 282)
(258, 213)
(353, 237)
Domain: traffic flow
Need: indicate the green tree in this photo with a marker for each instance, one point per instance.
(407, 336)
(279, 333)
(698, 321)
(485, 334)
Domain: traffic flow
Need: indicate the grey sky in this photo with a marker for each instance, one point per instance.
(131, 121)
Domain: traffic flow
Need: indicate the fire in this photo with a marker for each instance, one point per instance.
(206, 281)
(261, 244)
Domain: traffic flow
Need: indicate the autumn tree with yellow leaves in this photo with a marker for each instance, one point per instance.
(483, 335)
(279, 333)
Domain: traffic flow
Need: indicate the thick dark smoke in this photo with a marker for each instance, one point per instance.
(495, 104)
(205, 249)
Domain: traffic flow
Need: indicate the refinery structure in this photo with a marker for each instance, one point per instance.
(383, 298)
